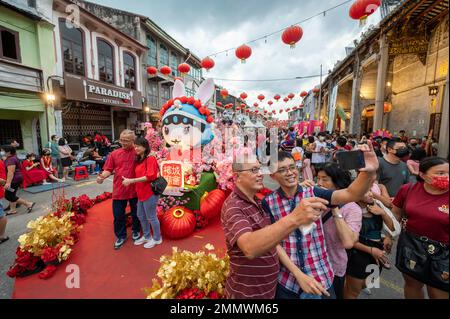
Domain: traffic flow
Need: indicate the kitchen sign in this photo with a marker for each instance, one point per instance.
(79, 88)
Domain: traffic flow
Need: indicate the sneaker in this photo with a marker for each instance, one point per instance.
(136, 236)
(45, 183)
(367, 291)
(159, 242)
(141, 241)
(150, 244)
(119, 243)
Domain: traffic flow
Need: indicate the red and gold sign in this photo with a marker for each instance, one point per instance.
(173, 172)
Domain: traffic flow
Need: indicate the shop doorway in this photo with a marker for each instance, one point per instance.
(120, 123)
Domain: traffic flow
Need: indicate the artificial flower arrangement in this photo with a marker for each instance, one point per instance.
(51, 237)
(156, 143)
(188, 275)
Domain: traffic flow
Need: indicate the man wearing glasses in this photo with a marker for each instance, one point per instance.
(251, 238)
(306, 271)
(122, 163)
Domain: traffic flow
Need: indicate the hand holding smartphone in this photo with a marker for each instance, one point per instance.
(350, 160)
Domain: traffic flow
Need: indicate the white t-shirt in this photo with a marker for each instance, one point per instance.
(319, 157)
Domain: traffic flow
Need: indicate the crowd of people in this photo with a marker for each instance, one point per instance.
(327, 232)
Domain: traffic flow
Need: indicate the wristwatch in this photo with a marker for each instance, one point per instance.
(338, 215)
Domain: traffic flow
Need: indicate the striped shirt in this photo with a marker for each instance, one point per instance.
(248, 279)
(308, 252)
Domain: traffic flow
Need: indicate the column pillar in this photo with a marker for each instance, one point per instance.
(355, 110)
(381, 84)
(443, 133)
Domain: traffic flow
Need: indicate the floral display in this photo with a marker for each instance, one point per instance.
(188, 275)
(51, 237)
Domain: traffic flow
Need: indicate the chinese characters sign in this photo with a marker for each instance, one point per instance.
(172, 171)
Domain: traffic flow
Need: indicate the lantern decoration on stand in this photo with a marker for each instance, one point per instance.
(178, 222)
(243, 52)
(151, 70)
(224, 93)
(362, 9)
(292, 35)
(208, 63)
(243, 95)
(165, 70)
(261, 97)
(211, 203)
(184, 69)
(303, 94)
(291, 96)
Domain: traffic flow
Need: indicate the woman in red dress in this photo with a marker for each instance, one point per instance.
(46, 166)
(32, 172)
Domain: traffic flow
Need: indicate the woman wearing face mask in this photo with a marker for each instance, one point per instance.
(65, 153)
(32, 173)
(422, 252)
(341, 225)
(147, 171)
(369, 250)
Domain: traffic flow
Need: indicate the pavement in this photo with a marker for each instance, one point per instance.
(391, 282)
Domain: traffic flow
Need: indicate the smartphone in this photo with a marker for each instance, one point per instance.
(351, 160)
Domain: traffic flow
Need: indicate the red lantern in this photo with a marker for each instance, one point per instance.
(294, 108)
(208, 63)
(286, 99)
(151, 70)
(224, 93)
(244, 95)
(303, 94)
(277, 97)
(219, 104)
(255, 104)
(184, 68)
(361, 9)
(178, 222)
(243, 52)
(247, 110)
(261, 97)
(291, 96)
(288, 109)
(301, 105)
(243, 105)
(165, 70)
(256, 111)
(316, 90)
(292, 35)
(238, 108)
(270, 103)
(281, 111)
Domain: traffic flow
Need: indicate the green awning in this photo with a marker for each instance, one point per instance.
(341, 113)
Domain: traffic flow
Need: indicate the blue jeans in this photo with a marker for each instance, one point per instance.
(283, 293)
(120, 221)
(146, 211)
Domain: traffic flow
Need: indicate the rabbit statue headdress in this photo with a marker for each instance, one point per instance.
(186, 121)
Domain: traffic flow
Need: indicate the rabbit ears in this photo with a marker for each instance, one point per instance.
(204, 93)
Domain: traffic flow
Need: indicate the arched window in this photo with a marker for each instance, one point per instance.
(105, 61)
(129, 71)
(163, 56)
(73, 49)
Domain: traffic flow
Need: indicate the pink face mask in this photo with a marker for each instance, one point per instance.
(440, 182)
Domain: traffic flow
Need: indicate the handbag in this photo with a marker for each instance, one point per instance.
(423, 259)
(158, 185)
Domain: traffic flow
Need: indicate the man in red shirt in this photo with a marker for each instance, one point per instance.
(3, 219)
(122, 163)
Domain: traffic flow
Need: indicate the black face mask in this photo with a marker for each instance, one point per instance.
(413, 144)
(402, 152)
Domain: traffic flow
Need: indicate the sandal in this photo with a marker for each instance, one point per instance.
(29, 209)
(11, 213)
(2, 240)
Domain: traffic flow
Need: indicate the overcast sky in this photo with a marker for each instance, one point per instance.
(206, 27)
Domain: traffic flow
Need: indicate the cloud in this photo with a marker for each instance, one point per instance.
(210, 26)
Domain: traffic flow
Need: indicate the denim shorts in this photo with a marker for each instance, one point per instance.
(2, 211)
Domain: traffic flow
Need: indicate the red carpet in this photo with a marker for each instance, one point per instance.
(106, 273)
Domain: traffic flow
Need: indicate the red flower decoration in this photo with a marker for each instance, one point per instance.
(47, 272)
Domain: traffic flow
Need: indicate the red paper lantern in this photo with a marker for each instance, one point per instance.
(243, 52)
(286, 99)
(270, 102)
(178, 222)
(224, 93)
(178, 78)
(219, 104)
(151, 70)
(244, 95)
(281, 111)
(165, 70)
(238, 108)
(292, 35)
(303, 94)
(361, 9)
(291, 96)
(261, 97)
(277, 97)
(247, 110)
(316, 90)
(301, 105)
(184, 68)
(208, 63)
(255, 104)
(288, 110)
(243, 105)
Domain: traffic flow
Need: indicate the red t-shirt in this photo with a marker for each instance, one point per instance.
(149, 168)
(121, 162)
(427, 214)
(2, 176)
